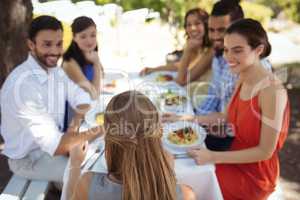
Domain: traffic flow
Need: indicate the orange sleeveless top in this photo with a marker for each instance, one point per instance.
(259, 178)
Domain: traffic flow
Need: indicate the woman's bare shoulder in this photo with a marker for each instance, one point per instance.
(69, 64)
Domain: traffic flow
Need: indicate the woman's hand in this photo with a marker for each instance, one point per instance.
(171, 117)
(193, 45)
(92, 57)
(201, 155)
(146, 71)
(78, 153)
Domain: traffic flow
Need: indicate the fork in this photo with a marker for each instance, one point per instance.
(92, 160)
(181, 156)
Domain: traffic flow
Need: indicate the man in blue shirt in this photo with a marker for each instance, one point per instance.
(221, 88)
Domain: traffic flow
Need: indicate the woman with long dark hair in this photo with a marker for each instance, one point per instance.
(81, 60)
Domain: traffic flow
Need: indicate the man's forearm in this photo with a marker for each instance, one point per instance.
(71, 139)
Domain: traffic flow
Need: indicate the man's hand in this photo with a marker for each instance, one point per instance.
(78, 153)
(97, 131)
(146, 71)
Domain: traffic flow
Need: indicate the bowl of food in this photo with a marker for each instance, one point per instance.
(172, 98)
(175, 100)
(183, 136)
(99, 118)
(180, 136)
(113, 81)
(110, 85)
(164, 78)
(95, 116)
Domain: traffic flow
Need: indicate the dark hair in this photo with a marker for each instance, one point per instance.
(254, 33)
(79, 24)
(228, 7)
(43, 22)
(203, 16)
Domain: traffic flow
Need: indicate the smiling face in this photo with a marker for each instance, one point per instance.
(239, 54)
(47, 47)
(217, 26)
(87, 39)
(194, 27)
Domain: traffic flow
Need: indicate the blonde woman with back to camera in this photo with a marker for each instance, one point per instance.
(138, 167)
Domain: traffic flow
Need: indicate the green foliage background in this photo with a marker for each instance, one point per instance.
(290, 7)
(174, 10)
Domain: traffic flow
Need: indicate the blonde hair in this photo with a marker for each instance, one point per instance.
(134, 152)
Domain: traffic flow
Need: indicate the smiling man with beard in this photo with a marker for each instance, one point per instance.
(33, 106)
(210, 113)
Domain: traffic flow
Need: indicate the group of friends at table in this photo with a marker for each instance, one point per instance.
(243, 93)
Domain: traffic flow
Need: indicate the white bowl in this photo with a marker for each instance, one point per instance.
(176, 148)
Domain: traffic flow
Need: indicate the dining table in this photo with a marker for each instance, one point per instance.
(201, 178)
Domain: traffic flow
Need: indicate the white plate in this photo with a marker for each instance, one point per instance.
(97, 107)
(174, 107)
(154, 75)
(178, 149)
(90, 117)
(118, 78)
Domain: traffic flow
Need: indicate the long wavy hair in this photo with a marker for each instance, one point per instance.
(203, 17)
(73, 51)
(133, 148)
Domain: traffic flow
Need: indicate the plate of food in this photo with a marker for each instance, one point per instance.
(172, 98)
(95, 118)
(173, 101)
(113, 80)
(110, 86)
(180, 136)
(164, 78)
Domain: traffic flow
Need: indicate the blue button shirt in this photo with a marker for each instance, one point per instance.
(221, 87)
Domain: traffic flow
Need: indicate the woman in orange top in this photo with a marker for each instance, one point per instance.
(258, 114)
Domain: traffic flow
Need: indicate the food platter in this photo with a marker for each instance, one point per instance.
(161, 78)
(171, 98)
(180, 136)
(94, 118)
(113, 81)
(164, 78)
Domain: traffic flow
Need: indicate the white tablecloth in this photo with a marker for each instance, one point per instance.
(201, 178)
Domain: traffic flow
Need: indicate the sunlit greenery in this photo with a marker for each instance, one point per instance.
(174, 10)
(257, 11)
(290, 7)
